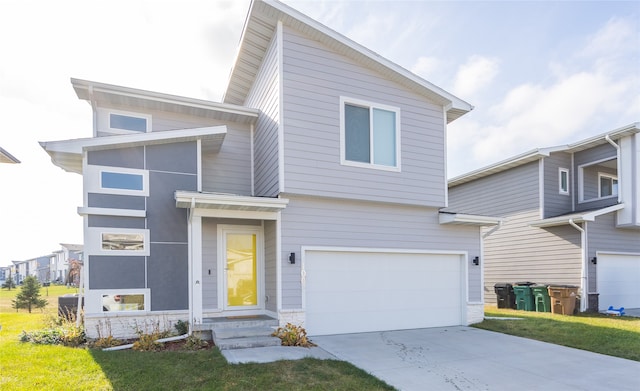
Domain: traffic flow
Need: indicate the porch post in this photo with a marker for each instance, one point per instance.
(196, 270)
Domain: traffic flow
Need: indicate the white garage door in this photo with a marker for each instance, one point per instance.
(618, 279)
(348, 292)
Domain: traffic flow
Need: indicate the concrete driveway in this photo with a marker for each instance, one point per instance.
(465, 358)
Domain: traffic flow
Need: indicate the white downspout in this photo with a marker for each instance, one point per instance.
(617, 147)
(190, 263)
(583, 268)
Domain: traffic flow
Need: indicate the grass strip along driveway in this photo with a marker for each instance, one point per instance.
(27, 366)
(613, 336)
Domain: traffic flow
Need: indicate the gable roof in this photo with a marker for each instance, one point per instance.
(260, 26)
(539, 153)
(6, 157)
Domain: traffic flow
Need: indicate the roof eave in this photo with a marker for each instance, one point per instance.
(468, 219)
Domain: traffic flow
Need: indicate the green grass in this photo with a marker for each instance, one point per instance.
(25, 366)
(613, 336)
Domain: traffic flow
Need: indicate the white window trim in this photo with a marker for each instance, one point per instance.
(106, 120)
(358, 102)
(608, 176)
(93, 180)
(94, 242)
(560, 189)
(96, 299)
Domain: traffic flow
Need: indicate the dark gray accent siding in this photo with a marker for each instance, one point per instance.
(229, 170)
(167, 277)
(605, 151)
(116, 272)
(508, 192)
(315, 77)
(116, 201)
(175, 157)
(166, 222)
(602, 235)
(264, 95)
(122, 157)
(116, 222)
(555, 203)
(311, 221)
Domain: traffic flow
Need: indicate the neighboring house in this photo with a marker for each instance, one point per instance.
(21, 269)
(311, 194)
(60, 260)
(6, 157)
(39, 267)
(571, 216)
(5, 272)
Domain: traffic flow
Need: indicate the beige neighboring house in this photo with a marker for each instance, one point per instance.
(6, 157)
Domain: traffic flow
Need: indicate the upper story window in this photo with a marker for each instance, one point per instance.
(112, 121)
(116, 180)
(370, 135)
(597, 180)
(608, 185)
(563, 181)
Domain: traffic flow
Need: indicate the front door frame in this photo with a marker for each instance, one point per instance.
(223, 230)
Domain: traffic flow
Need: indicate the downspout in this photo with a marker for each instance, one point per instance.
(583, 268)
(190, 265)
(617, 147)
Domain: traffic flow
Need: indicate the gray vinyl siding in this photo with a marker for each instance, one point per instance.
(117, 272)
(506, 193)
(518, 252)
(314, 221)
(167, 276)
(315, 77)
(264, 95)
(602, 235)
(229, 170)
(555, 203)
(116, 222)
(122, 157)
(117, 201)
(270, 262)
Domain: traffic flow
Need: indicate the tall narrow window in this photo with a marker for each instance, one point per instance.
(563, 181)
(370, 134)
(608, 185)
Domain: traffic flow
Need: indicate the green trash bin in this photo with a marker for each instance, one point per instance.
(524, 297)
(541, 298)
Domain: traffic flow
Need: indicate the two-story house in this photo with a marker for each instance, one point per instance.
(571, 216)
(311, 194)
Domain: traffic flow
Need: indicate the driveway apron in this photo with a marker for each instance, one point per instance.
(465, 358)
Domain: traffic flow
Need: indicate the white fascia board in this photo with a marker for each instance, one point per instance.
(575, 217)
(468, 219)
(187, 199)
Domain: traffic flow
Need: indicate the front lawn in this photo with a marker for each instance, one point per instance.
(613, 336)
(26, 366)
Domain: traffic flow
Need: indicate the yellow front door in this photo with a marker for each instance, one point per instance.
(241, 270)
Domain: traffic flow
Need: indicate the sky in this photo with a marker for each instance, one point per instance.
(538, 74)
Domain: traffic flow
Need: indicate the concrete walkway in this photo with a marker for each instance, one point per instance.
(464, 358)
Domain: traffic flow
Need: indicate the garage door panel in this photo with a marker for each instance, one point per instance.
(618, 280)
(355, 292)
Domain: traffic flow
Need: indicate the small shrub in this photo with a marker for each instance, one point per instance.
(182, 327)
(67, 335)
(147, 343)
(292, 335)
(194, 343)
(105, 342)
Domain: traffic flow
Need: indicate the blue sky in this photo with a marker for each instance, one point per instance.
(538, 73)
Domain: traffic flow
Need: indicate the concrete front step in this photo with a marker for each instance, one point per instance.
(240, 332)
(247, 342)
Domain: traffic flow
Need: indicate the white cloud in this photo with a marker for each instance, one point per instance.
(476, 73)
(425, 67)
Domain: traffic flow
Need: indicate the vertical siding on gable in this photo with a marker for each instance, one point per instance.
(518, 252)
(602, 235)
(229, 170)
(501, 194)
(314, 221)
(315, 77)
(264, 95)
(556, 204)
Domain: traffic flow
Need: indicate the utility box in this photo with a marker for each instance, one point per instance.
(68, 306)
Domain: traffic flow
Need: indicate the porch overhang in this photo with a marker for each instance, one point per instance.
(468, 219)
(230, 205)
(580, 217)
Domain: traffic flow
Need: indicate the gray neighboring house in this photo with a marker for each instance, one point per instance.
(311, 194)
(571, 216)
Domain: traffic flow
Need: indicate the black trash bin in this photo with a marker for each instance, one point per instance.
(504, 295)
(68, 306)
